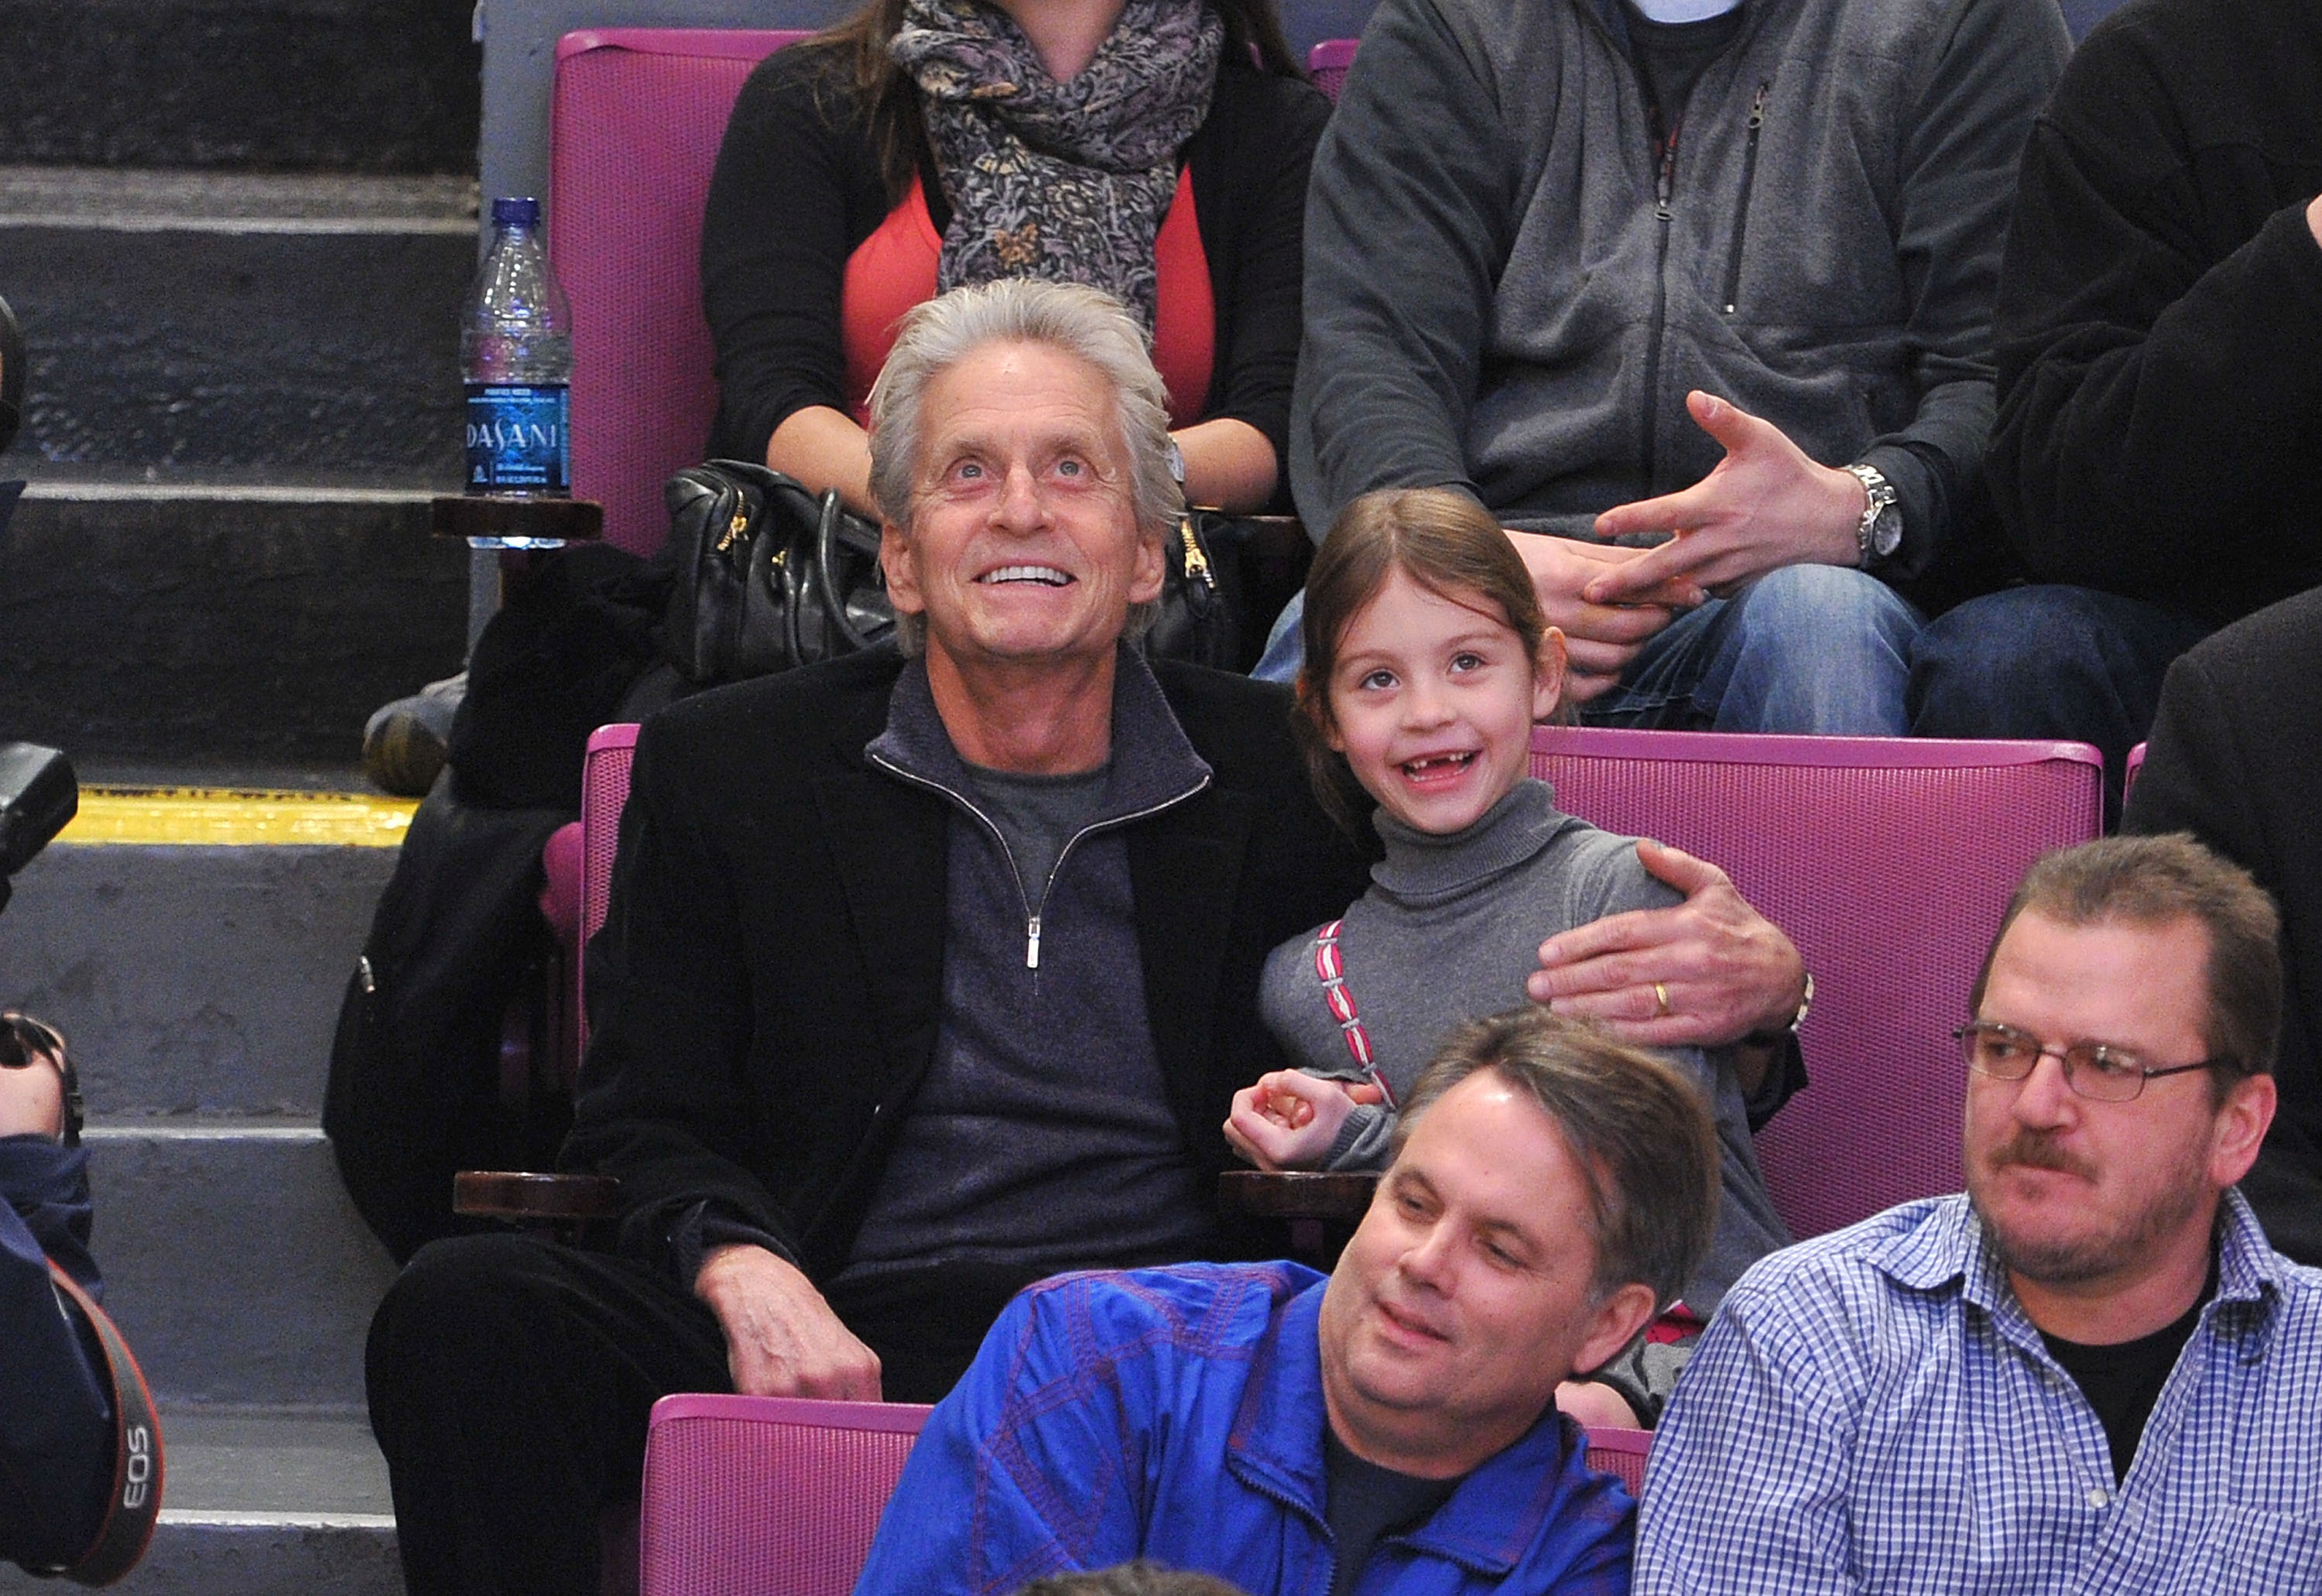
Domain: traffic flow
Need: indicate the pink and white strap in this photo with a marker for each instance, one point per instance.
(1331, 970)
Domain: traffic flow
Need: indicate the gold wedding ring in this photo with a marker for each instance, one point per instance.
(1661, 1001)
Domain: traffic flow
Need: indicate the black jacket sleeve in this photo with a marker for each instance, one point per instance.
(1956, 154)
(664, 1102)
(1249, 164)
(2160, 334)
(796, 188)
(2235, 757)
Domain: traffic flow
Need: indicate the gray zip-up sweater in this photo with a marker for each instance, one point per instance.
(1507, 291)
(1447, 932)
(1047, 1090)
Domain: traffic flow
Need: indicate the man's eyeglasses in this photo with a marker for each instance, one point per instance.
(2093, 1070)
(25, 1041)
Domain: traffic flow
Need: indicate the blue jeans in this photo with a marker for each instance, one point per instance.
(2049, 660)
(1811, 649)
(1808, 649)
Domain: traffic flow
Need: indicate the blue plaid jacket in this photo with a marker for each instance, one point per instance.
(1873, 1411)
(1177, 1414)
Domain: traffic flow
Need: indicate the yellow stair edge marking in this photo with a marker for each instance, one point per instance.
(219, 818)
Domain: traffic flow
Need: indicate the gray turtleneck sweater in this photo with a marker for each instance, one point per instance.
(1450, 929)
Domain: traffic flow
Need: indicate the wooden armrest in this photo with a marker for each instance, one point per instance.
(1332, 1195)
(532, 1197)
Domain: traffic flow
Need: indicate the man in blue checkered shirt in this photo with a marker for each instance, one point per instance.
(2089, 1373)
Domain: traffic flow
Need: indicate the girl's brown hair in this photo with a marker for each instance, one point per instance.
(855, 52)
(1445, 541)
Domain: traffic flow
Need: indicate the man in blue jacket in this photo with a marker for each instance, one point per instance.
(1390, 1429)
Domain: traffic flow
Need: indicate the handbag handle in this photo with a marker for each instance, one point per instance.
(826, 564)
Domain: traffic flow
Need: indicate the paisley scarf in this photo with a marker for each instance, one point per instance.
(1065, 181)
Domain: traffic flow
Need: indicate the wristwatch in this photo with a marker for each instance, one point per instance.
(1879, 533)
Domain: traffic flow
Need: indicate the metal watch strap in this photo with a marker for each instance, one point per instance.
(1879, 494)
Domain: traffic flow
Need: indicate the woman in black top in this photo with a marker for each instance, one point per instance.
(929, 143)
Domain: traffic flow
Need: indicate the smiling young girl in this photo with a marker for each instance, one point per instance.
(1427, 665)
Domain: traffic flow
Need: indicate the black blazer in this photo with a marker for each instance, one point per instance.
(2235, 757)
(764, 996)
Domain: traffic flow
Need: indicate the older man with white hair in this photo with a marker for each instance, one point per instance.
(926, 974)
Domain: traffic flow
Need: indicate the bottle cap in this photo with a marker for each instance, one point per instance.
(521, 212)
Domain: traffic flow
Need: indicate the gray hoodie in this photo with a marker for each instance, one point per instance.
(1508, 292)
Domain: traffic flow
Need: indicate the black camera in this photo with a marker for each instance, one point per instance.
(38, 793)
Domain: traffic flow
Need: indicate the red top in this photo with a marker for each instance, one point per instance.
(894, 270)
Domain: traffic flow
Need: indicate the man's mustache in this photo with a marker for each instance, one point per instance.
(2040, 1151)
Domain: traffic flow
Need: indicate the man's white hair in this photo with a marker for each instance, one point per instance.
(1085, 322)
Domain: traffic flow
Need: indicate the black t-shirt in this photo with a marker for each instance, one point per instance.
(2123, 1381)
(1673, 56)
(1365, 1503)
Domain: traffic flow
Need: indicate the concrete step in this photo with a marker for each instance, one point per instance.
(234, 1262)
(198, 624)
(192, 980)
(183, 324)
(272, 1501)
(380, 86)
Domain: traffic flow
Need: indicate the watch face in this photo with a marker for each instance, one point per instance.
(1886, 532)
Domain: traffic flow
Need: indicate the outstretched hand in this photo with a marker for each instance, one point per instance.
(1726, 969)
(1765, 505)
(1289, 1119)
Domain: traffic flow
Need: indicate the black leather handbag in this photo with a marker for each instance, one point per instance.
(1200, 613)
(768, 574)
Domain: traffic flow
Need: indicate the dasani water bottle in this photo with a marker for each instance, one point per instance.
(515, 349)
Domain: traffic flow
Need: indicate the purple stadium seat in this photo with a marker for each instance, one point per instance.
(1621, 1452)
(2135, 763)
(751, 1495)
(1888, 862)
(1328, 62)
(633, 130)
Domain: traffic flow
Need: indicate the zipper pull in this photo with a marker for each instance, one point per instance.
(1666, 180)
(1758, 108)
(734, 529)
(1032, 942)
(1197, 567)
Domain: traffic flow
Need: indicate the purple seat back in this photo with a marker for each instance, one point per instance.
(2128, 778)
(1327, 63)
(634, 128)
(1888, 862)
(766, 1494)
(1621, 1452)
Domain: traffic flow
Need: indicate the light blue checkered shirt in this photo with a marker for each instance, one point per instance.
(1873, 1411)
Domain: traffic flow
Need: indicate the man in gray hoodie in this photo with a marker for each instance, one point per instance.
(1716, 269)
